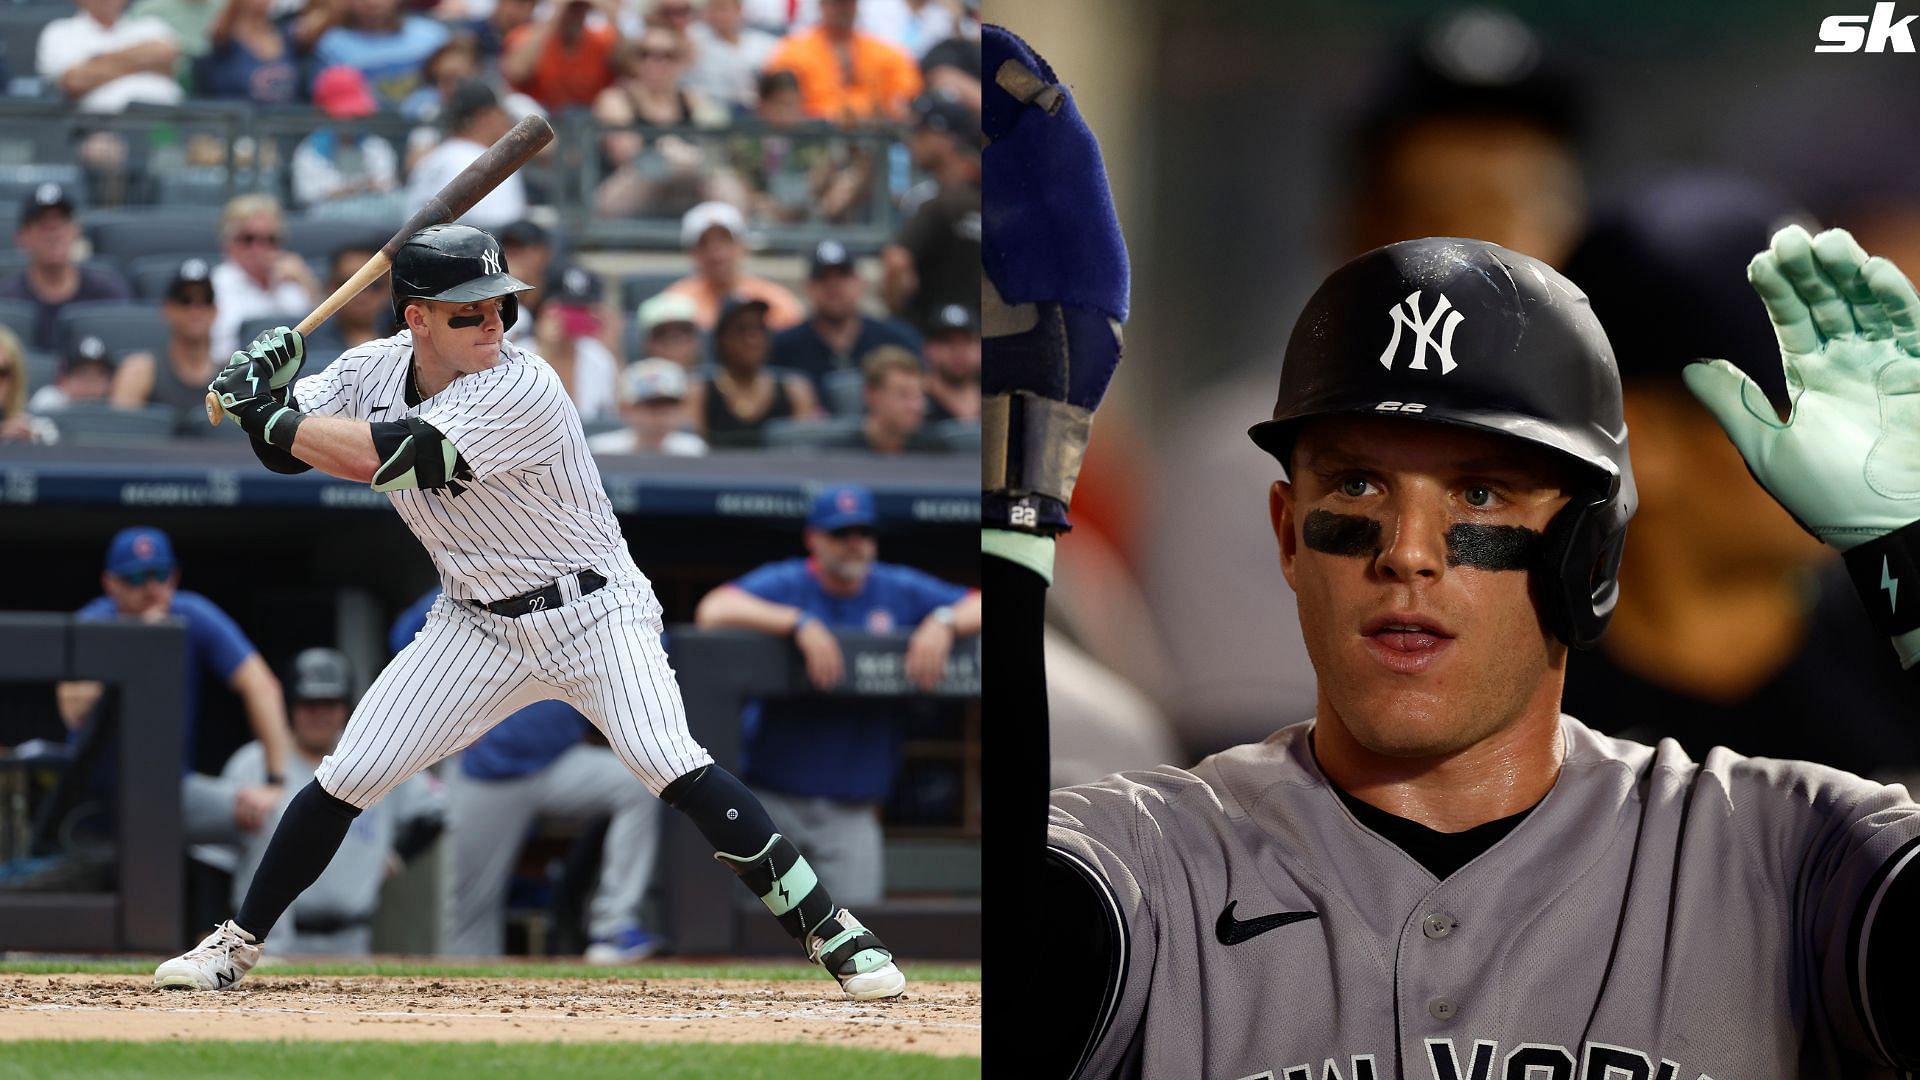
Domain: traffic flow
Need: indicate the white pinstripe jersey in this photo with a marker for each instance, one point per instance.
(533, 510)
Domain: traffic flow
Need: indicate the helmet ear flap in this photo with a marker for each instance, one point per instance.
(1577, 581)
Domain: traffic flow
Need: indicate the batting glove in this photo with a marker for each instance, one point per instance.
(1846, 461)
(1053, 296)
(267, 365)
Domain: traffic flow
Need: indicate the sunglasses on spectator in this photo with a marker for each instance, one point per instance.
(657, 54)
(143, 577)
(191, 299)
(852, 532)
(675, 11)
(263, 239)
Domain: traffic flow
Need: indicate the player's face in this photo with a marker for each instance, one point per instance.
(147, 595)
(1407, 543)
(845, 555)
(317, 725)
(466, 337)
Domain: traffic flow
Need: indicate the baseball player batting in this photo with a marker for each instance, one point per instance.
(478, 446)
(1441, 875)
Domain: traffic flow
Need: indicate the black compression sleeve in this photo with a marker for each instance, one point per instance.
(1886, 929)
(1017, 816)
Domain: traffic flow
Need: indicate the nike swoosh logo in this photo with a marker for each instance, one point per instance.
(1232, 931)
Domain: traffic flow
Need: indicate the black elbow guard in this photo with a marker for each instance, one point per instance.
(413, 454)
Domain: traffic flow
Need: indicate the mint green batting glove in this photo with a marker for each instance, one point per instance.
(1846, 461)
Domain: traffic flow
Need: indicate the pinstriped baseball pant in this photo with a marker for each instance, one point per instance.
(468, 669)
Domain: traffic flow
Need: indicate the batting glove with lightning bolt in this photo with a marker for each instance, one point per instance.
(1053, 295)
(269, 364)
(1846, 460)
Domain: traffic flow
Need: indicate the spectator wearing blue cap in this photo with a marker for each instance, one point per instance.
(142, 582)
(823, 765)
(837, 336)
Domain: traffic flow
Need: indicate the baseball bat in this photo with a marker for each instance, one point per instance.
(501, 160)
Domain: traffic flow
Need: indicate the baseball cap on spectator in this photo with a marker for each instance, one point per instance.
(89, 351)
(938, 112)
(953, 317)
(44, 197)
(574, 285)
(574, 292)
(468, 100)
(653, 379)
(342, 93)
(842, 506)
(828, 257)
(666, 308)
(524, 233)
(139, 549)
(737, 306)
(707, 215)
(193, 276)
(321, 675)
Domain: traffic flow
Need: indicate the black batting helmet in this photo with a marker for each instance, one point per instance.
(1467, 333)
(455, 263)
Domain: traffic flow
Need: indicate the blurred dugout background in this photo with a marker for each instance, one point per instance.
(1648, 150)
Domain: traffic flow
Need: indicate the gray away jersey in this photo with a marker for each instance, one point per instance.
(1653, 918)
(534, 509)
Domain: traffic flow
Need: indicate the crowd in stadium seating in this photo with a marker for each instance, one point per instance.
(734, 116)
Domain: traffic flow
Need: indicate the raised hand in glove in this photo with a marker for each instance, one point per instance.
(253, 387)
(270, 363)
(1846, 460)
(1053, 296)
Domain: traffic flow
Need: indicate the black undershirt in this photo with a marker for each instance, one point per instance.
(1440, 852)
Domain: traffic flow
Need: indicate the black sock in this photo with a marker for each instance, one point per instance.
(744, 838)
(304, 843)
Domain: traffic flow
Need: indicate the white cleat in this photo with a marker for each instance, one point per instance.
(855, 957)
(215, 964)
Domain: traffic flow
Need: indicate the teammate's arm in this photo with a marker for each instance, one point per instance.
(1054, 292)
(732, 606)
(266, 709)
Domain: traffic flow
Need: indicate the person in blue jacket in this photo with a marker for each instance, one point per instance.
(824, 765)
(546, 759)
(141, 581)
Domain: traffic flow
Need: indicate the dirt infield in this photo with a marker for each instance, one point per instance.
(933, 1018)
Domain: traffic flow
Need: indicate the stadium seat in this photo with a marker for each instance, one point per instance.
(93, 424)
(151, 274)
(16, 181)
(636, 288)
(18, 316)
(251, 329)
(20, 26)
(788, 434)
(42, 367)
(844, 392)
(123, 327)
(127, 234)
(959, 436)
(318, 238)
(602, 425)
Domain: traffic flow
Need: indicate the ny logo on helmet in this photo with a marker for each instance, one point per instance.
(490, 261)
(1407, 314)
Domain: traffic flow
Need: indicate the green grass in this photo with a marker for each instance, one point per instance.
(773, 972)
(362, 1060)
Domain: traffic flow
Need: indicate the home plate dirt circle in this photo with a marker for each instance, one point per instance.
(933, 1018)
